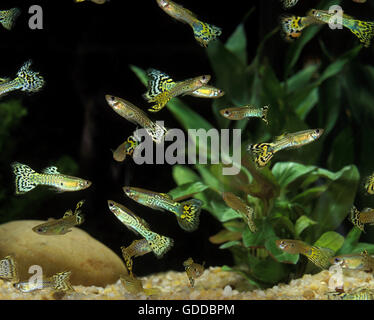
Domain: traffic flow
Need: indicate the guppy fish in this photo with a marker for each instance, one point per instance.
(27, 179)
(187, 212)
(359, 218)
(26, 80)
(137, 116)
(159, 244)
(318, 255)
(136, 249)
(364, 30)
(95, 1)
(361, 261)
(58, 282)
(369, 184)
(356, 294)
(245, 112)
(125, 149)
(8, 269)
(203, 32)
(241, 207)
(292, 26)
(8, 17)
(193, 270)
(265, 151)
(162, 88)
(207, 92)
(135, 286)
(63, 225)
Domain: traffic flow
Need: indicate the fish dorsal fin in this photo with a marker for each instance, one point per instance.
(51, 170)
(67, 214)
(166, 195)
(158, 82)
(277, 138)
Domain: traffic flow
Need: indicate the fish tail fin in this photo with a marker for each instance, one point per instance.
(291, 28)
(160, 244)
(190, 215)
(79, 216)
(158, 82)
(24, 177)
(61, 281)
(364, 31)
(8, 269)
(8, 17)
(265, 110)
(262, 152)
(161, 100)
(128, 259)
(355, 218)
(29, 80)
(289, 3)
(369, 184)
(204, 32)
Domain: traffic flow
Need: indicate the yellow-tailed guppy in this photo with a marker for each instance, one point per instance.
(187, 212)
(292, 26)
(203, 32)
(125, 149)
(27, 179)
(58, 282)
(363, 30)
(137, 116)
(136, 249)
(8, 269)
(162, 88)
(242, 208)
(263, 152)
(240, 113)
(318, 255)
(360, 218)
(369, 184)
(26, 80)
(63, 225)
(356, 294)
(193, 270)
(135, 286)
(159, 244)
(358, 261)
(8, 17)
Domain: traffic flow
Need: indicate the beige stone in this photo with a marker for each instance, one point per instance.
(90, 262)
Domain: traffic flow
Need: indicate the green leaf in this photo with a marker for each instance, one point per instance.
(183, 174)
(342, 150)
(243, 274)
(270, 271)
(279, 254)
(361, 246)
(302, 223)
(300, 79)
(288, 172)
(209, 178)
(331, 240)
(265, 231)
(237, 43)
(225, 236)
(187, 189)
(350, 241)
(222, 212)
(230, 244)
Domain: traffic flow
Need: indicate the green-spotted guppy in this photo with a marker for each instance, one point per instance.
(239, 113)
(358, 261)
(125, 149)
(193, 270)
(27, 179)
(162, 88)
(318, 255)
(203, 32)
(58, 282)
(360, 218)
(136, 249)
(159, 244)
(26, 80)
(63, 225)
(137, 116)
(187, 212)
(263, 152)
(8, 17)
(363, 30)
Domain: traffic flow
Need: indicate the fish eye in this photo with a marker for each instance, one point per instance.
(227, 113)
(337, 260)
(61, 183)
(317, 131)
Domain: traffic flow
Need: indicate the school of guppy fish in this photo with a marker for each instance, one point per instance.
(161, 89)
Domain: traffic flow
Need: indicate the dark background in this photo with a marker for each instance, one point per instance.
(84, 52)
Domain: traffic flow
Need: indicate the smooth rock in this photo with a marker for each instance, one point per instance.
(90, 262)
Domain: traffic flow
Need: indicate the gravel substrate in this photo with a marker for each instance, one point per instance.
(214, 284)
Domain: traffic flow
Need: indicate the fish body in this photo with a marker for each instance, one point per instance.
(203, 32)
(27, 179)
(265, 151)
(162, 88)
(187, 212)
(318, 255)
(26, 80)
(245, 112)
(58, 282)
(125, 149)
(135, 286)
(360, 218)
(8, 269)
(242, 208)
(63, 225)
(356, 294)
(207, 92)
(193, 270)
(135, 249)
(137, 116)
(159, 244)
(349, 261)
(8, 17)
(292, 26)
(363, 30)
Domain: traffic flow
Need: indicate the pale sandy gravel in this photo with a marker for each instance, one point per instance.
(214, 284)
